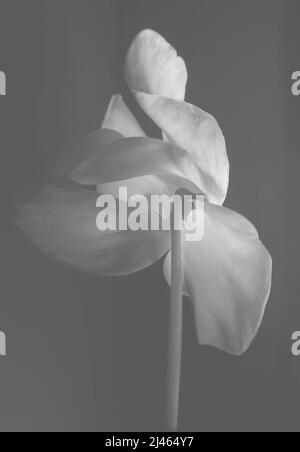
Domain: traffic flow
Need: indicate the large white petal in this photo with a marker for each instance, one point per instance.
(61, 220)
(198, 133)
(153, 66)
(228, 278)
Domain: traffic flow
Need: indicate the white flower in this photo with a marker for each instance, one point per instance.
(227, 274)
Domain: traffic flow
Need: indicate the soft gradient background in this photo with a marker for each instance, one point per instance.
(89, 354)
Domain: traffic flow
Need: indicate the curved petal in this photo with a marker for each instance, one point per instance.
(120, 119)
(131, 157)
(62, 221)
(153, 66)
(228, 278)
(197, 132)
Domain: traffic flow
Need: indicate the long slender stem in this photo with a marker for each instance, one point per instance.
(175, 333)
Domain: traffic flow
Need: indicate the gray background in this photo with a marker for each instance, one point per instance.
(87, 353)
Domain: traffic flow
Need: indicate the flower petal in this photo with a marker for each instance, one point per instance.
(194, 130)
(228, 278)
(61, 220)
(120, 119)
(132, 157)
(153, 66)
(84, 149)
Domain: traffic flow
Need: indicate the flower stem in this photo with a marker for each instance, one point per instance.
(175, 333)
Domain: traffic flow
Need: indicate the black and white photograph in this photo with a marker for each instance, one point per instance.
(150, 159)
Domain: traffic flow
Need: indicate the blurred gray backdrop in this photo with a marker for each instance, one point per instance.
(89, 354)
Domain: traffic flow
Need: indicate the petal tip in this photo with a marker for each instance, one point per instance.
(153, 66)
(118, 117)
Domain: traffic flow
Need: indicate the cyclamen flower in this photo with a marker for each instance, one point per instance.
(227, 275)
